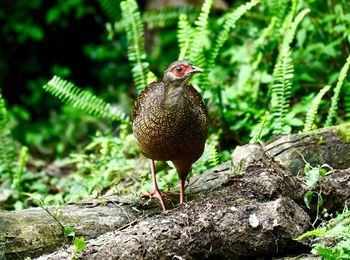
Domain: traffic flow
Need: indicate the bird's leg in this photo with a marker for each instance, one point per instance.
(156, 193)
(182, 190)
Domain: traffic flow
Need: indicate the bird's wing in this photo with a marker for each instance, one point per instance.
(146, 97)
(195, 99)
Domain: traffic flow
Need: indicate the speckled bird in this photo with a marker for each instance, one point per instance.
(170, 123)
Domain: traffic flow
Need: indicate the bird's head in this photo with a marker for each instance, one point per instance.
(180, 72)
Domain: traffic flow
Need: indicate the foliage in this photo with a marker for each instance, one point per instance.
(258, 129)
(79, 244)
(136, 46)
(199, 36)
(82, 99)
(283, 74)
(281, 92)
(7, 149)
(311, 114)
(332, 239)
(230, 22)
(111, 8)
(335, 98)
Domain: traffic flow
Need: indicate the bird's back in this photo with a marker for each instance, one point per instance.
(171, 130)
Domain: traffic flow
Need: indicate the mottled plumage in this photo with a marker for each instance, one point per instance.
(170, 119)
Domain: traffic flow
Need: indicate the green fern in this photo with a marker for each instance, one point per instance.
(136, 46)
(278, 9)
(283, 74)
(21, 164)
(229, 23)
(67, 92)
(347, 104)
(261, 43)
(334, 103)
(7, 147)
(311, 114)
(167, 16)
(111, 8)
(183, 35)
(214, 156)
(161, 18)
(258, 129)
(199, 37)
(288, 30)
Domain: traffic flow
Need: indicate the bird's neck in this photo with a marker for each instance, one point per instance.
(174, 95)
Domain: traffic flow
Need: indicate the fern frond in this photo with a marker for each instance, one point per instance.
(162, 18)
(136, 46)
(289, 32)
(7, 147)
(334, 103)
(258, 129)
(168, 16)
(68, 93)
(184, 34)
(283, 74)
(347, 104)
(200, 33)
(311, 114)
(214, 156)
(111, 8)
(278, 9)
(229, 23)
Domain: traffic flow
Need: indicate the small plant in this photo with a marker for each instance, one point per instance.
(311, 114)
(334, 104)
(79, 245)
(332, 239)
(258, 129)
(312, 176)
(7, 146)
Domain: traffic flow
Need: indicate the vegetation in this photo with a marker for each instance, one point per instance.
(279, 70)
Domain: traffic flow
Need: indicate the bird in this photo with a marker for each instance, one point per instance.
(170, 123)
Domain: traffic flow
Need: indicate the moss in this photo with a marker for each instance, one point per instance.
(321, 141)
(240, 201)
(344, 133)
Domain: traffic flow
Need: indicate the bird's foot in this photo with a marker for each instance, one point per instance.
(158, 195)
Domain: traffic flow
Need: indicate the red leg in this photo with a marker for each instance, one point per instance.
(155, 192)
(182, 191)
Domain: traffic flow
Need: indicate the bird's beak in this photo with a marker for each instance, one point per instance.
(196, 70)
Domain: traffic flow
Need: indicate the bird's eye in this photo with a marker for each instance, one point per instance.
(179, 69)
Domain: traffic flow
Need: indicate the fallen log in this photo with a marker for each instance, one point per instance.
(325, 146)
(264, 183)
(215, 227)
(35, 231)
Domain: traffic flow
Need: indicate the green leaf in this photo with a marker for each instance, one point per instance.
(312, 176)
(308, 198)
(69, 231)
(79, 244)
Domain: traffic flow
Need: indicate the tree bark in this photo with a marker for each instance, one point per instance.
(249, 207)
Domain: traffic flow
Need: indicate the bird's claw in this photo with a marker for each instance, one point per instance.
(158, 195)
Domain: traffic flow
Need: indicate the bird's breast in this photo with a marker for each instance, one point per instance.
(167, 126)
